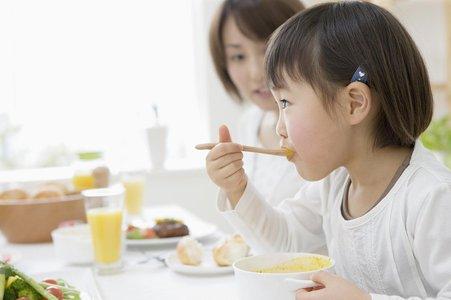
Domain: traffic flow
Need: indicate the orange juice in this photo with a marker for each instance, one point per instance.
(106, 231)
(83, 181)
(134, 194)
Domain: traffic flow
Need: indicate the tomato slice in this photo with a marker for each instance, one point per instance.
(55, 291)
(149, 233)
(50, 281)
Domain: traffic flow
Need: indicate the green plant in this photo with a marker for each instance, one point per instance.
(438, 137)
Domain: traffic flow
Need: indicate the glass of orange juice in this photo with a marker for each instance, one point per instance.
(134, 193)
(104, 211)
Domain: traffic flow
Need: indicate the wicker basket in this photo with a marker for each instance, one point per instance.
(32, 221)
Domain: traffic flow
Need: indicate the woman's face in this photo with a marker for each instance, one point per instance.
(245, 65)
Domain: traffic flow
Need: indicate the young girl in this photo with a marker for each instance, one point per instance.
(353, 95)
(238, 36)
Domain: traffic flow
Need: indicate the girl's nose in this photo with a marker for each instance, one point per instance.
(280, 128)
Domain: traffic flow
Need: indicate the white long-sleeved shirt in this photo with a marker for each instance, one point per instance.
(401, 249)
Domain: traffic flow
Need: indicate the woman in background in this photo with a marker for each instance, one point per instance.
(238, 36)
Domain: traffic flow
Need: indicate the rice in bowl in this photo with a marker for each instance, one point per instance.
(299, 264)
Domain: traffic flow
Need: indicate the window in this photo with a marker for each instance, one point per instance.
(85, 74)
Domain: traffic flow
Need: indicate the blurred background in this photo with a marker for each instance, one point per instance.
(99, 76)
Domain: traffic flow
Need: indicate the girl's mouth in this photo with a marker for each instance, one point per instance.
(289, 153)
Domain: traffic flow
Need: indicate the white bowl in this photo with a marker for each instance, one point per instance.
(268, 286)
(73, 244)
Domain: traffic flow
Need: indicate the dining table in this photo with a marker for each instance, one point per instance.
(144, 276)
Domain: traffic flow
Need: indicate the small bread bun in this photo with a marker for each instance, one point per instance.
(232, 249)
(53, 186)
(14, 194)
(48, 193)
(190, 251)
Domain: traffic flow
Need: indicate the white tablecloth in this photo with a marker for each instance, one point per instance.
(152, 280)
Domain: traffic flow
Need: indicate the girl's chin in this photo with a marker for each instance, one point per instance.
(309, 174)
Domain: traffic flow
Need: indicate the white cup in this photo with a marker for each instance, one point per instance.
(156, 139)
(73, 244)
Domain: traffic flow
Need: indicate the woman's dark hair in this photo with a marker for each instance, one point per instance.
(324, 46)
(256, 19)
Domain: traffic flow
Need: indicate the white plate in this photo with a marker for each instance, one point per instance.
(198, 229)
(81, 279)
(207, 267)
(202, 233)
(10, 258)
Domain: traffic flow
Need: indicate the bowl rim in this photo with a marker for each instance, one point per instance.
(30, 201)
(285, 274)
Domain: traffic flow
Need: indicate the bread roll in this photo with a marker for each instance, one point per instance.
(48, 192)
(190, 251)
(54, 185)
(232, 249)
(14, 194)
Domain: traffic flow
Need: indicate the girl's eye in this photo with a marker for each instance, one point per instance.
(237, 57)
(284, 103)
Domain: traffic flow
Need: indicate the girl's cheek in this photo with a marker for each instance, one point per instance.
(303, 135)
(295, 132)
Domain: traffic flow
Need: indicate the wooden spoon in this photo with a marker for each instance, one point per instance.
(288, 153)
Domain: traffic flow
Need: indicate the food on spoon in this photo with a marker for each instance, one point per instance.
(190, 251)
(168, 227)
(288, 152)
(299, 264)
(232, 249)
(16, 285)
(14, 194)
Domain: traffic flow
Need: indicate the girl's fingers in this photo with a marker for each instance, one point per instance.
(313, 293)
(224, 134)
(222, 149)
(303, 294)
(235, 178)
(300, 292)
(230, 169)
(226, 160)
(322, 277)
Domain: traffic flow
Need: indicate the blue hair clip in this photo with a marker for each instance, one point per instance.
(360, 75)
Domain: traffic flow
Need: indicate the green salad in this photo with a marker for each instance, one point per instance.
(15, 285)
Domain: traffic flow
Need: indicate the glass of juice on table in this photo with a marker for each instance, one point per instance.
(134, 193)
(104, 211)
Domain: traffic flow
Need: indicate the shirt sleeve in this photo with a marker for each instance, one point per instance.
(442, 296)
(431, 245)
(294, 226)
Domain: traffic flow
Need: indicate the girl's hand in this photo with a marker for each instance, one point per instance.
(334, 287)
(225, 166)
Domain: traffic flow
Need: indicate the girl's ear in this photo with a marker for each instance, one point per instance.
(357, 102)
